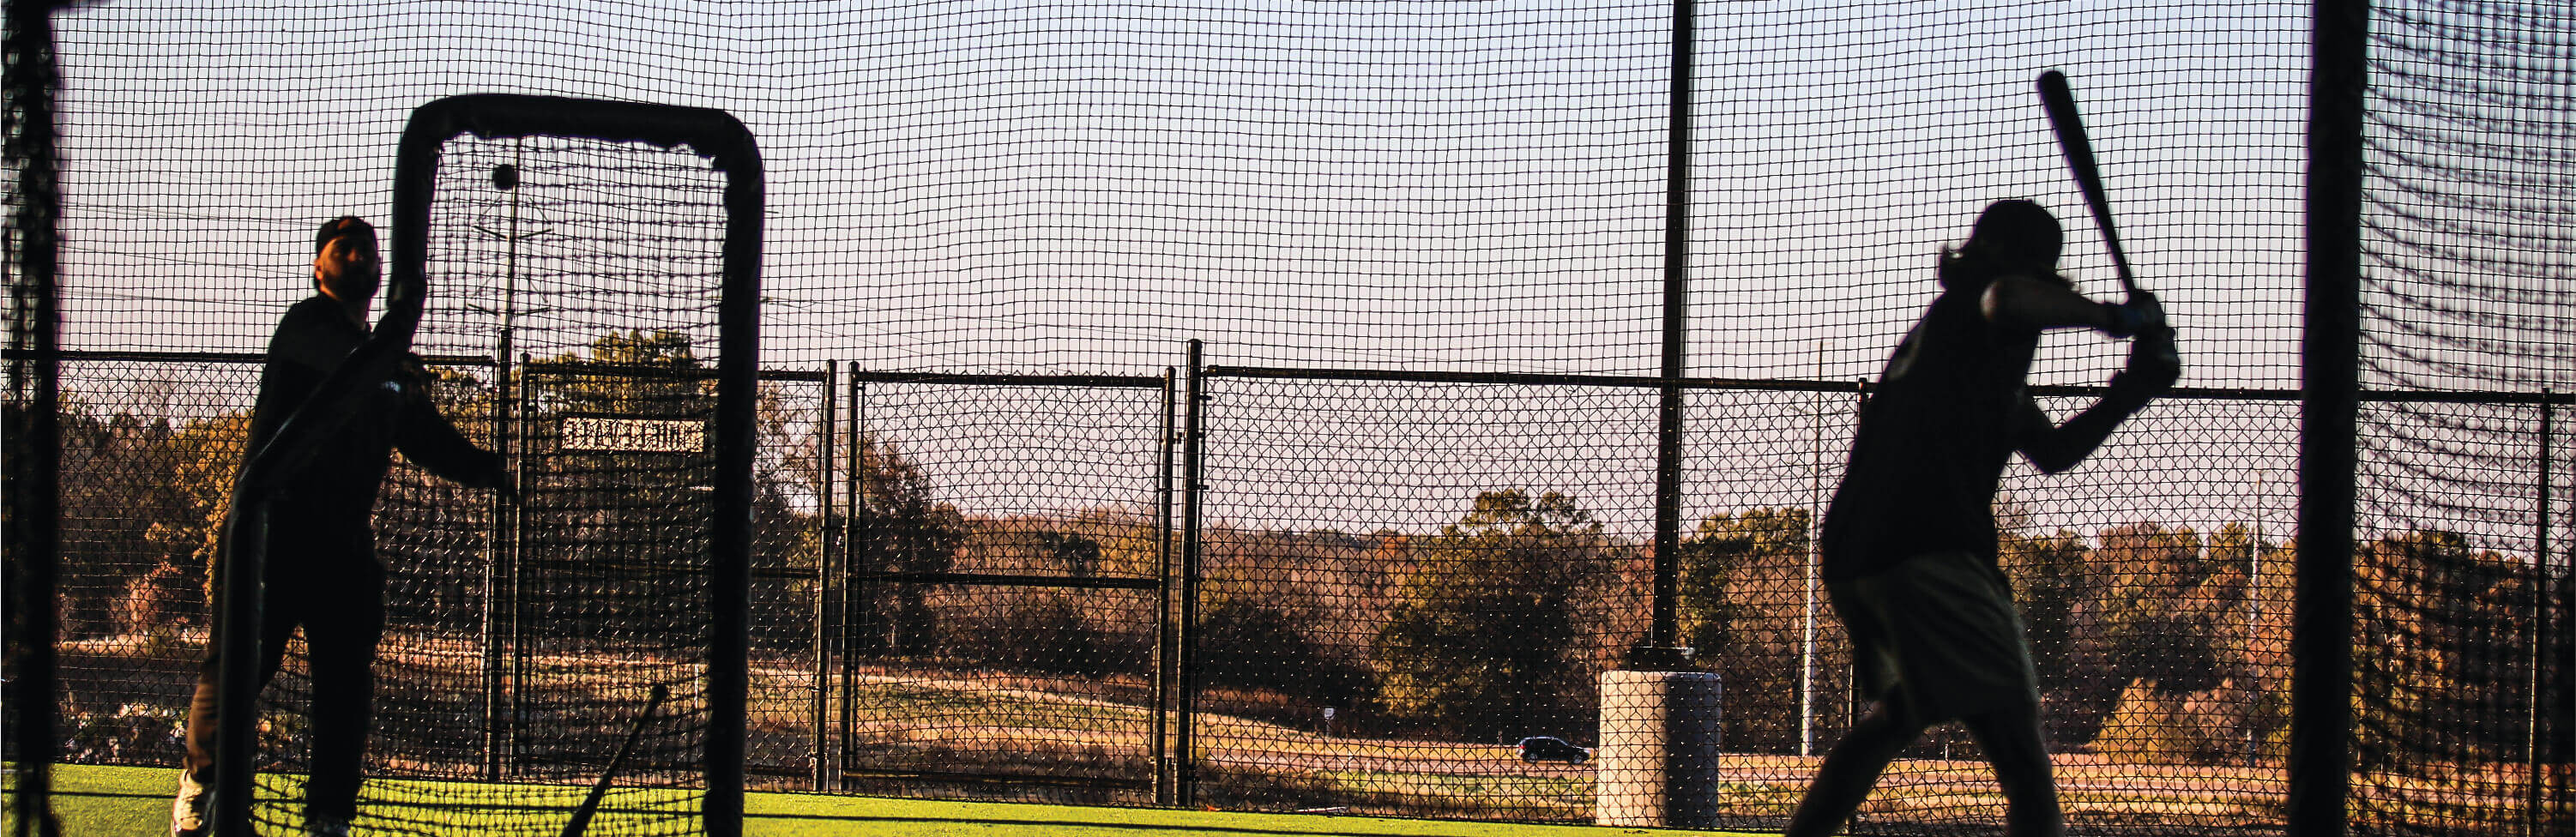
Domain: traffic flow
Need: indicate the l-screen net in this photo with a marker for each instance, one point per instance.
(575, 286)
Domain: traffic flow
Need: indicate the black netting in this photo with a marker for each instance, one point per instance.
(968, 577)
(2462, 659)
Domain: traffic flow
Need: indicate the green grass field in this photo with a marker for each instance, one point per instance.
(121, 801)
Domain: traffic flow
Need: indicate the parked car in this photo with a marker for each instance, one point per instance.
(1541, 748)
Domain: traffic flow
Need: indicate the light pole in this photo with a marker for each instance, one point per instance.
(1815, 489)
(2254, 616)
(504, 513)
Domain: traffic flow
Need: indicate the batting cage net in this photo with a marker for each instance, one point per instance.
(2461, 631)
(1258, 405)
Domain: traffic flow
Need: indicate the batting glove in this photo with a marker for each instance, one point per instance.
(2142, 313)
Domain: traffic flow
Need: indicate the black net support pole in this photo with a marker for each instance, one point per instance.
(30, 512)
(1184, 716)
(1663, 650)
(2321, 637)
(243, 551)
(500, 541)
(728, 147)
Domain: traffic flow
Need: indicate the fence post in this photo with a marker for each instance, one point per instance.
(1852, 699)
(823, 581)
(854, 560)
(2562, 740)
(513, 602)
(496, 551)
(1186, 716)
(1163, 638)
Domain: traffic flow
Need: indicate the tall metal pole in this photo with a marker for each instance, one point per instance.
(1191, 488)
(2254, 610)
(2321, 630)
(1663, 650)
(1807, 626)
(506, 179)
(495, 552)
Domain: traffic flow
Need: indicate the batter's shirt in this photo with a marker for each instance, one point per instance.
(1933, 439)
(335, 493)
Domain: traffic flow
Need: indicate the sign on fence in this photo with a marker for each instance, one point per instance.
(613, 433)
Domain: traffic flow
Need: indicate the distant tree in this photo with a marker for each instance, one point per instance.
(1077, 554)
(2251, 639)
(1713, 559)
(1245, 643)
(1744, 605)
(897, 527)
(2444, 651)
(2129, 624)
(2051, 574)
(122, 517)
(2157, 725)
(787, 533)
(2180, 647)
(1482, 641)
(206, 453)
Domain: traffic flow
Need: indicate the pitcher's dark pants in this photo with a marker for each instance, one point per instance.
(332, 587)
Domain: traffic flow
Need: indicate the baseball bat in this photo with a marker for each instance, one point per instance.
(599, 790)
(2071, 139)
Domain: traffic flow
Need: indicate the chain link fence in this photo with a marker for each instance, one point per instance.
(986, 587)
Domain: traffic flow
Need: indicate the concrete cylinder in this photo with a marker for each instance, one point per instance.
(1658, 754)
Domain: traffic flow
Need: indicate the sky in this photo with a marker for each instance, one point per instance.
(1455, 186)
